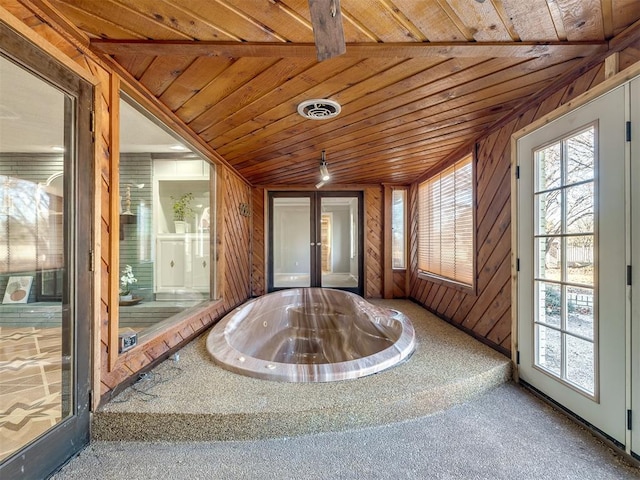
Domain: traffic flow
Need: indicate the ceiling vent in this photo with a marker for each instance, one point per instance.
(319, 109)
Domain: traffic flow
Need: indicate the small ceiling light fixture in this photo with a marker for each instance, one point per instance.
(57, 148)
(324, 171)
(323, 168)
(178, 148)
(319, 109)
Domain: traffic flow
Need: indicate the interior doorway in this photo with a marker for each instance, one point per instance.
(315, 240)
(326, 240)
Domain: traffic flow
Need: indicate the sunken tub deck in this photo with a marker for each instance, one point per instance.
(311, 335)
(190, 398)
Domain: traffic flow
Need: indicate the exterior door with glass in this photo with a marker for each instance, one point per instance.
(315, 240)
(571, 284)
(45, 283)
(634, 90)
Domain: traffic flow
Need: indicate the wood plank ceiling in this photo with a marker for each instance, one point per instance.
(420, 80)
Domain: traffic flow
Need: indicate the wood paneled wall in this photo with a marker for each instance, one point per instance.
(487, 315)
(259, 256)
(233, 237)
(236, 287)
(399, 284)
(373, 242)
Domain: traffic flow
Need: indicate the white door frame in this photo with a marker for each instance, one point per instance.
(604, 87)
(633, 328)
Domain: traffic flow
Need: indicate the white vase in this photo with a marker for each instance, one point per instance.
(126, 298)
(181, 227)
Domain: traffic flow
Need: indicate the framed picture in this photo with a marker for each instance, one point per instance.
(17, 290)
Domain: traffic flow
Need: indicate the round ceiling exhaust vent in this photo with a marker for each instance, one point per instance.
(319, 109)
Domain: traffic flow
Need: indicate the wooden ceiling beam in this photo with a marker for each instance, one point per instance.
(327, 28)
(355, 50)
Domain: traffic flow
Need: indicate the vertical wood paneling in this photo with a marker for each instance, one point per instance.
(487, 315)
(399, 284)
(373, 242)
(237, 238)
(112, 218)
(388, 280)
(258, 258)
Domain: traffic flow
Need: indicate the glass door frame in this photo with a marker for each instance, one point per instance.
(317, 280)
(47, 453)
(315, 213)
(271, 234)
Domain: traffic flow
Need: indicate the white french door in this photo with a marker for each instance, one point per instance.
(572, 239)
(634, 201)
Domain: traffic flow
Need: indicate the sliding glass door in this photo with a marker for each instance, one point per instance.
(45, 283)
(315, 240)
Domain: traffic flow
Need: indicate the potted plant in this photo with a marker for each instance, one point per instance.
(126, 280)
(182, 211)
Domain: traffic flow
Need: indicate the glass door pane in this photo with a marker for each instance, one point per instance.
(291, 241)
(338, 242)
(36, 331)
(565, 237)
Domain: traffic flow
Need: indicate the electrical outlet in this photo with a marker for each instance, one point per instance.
(127, 339)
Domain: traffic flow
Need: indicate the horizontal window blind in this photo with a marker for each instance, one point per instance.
(445, 223)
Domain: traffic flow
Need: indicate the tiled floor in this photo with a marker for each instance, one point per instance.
(30, 385)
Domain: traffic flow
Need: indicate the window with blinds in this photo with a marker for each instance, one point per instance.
(445, 224)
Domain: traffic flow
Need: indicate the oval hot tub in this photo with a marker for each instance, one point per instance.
(310, 335)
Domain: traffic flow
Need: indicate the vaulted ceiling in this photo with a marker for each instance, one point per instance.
(419, 82)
